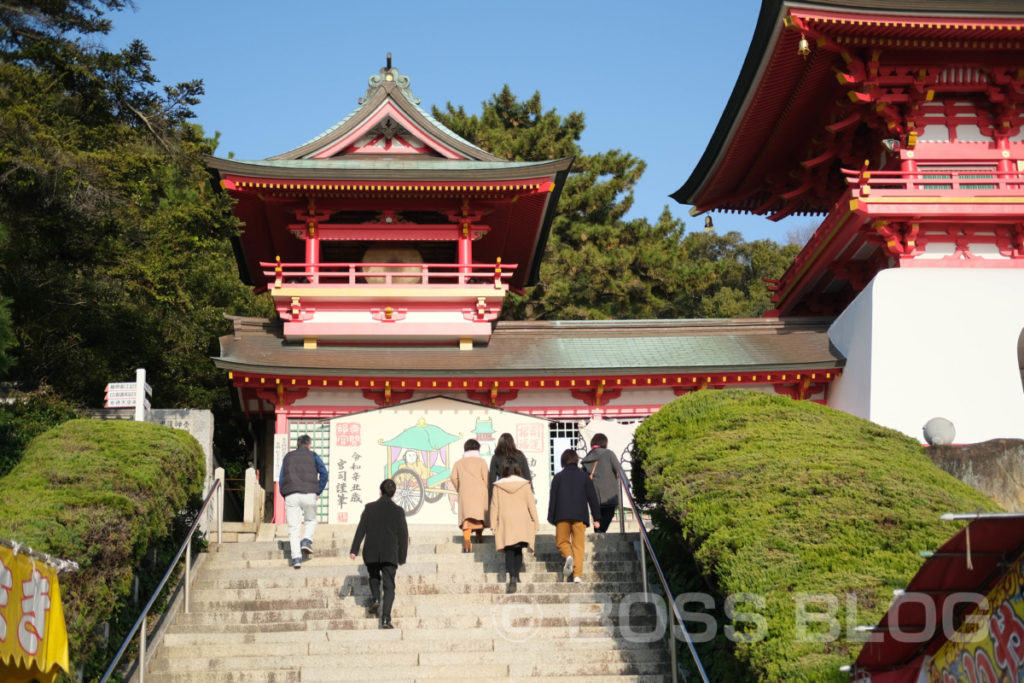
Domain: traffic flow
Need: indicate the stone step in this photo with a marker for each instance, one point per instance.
(455, 555)
(528, 609)
(494, 563)
(443, 615)
(313, 596)
(310, 577)
(493, 624)
(326, 658)
(213, 644)
(308, 674)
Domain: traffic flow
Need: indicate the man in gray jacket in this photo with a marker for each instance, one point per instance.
(302, 479)
(603, 467)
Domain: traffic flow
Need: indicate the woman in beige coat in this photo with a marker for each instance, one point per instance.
(469, 477)
(514, 519)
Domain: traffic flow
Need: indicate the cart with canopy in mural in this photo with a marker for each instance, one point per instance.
(419, 463)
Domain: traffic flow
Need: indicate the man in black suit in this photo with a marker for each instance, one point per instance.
(387, 542)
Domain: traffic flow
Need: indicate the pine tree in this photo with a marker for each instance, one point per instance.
(598, 264)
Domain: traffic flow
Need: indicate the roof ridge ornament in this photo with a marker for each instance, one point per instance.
(389, 74)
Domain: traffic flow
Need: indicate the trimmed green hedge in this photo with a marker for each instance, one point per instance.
(787, 499)
(103, 494)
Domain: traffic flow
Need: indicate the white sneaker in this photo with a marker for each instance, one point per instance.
(577, 580)
(567, 567)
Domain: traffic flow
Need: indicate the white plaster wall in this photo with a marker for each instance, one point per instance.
(935, 342)
(851, 335)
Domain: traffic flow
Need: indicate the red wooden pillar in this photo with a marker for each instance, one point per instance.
(465, 253)
(312, 252)
(280, 427)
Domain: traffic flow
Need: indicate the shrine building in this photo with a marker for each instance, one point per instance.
(388, 244)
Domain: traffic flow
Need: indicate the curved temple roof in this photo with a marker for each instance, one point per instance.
(782, 98)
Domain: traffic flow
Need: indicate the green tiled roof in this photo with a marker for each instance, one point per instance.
(554, 348)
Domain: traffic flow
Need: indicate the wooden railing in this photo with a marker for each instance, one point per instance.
(937, 181)
(375, 274)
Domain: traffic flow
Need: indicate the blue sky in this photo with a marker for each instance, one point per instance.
(651, 77)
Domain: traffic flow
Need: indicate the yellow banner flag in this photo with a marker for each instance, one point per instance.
(33, 636)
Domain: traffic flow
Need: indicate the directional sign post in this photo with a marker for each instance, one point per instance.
(130, 395)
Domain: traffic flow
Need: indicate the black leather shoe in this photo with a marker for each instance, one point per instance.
(372, 608)
(511, 588)
(385, 625)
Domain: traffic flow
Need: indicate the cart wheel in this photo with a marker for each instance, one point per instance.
(408, 491)
(436, 494)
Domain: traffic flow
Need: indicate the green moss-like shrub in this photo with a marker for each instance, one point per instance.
(103, 494)
(786, 499)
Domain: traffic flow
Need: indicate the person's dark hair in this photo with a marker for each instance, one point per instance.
(304, 440)
(599, 440)
(471, 445)
(506, 447)
(387, 487)
(570, 457)
(511, 469)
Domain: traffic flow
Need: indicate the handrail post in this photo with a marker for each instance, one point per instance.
(219, 484)
(643, 570)
(622, 509)
(672, 650)
(142, 649)
(188, 570)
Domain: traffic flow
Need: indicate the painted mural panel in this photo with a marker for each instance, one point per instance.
(991, 648)
(417, 444)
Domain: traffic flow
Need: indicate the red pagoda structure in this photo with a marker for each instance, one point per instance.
(388, 244)
(899, 122)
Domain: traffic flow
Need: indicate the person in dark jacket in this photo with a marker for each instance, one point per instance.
(603, 467)
(303, 477)
(506, 450)
(387, 542)
(572, 493)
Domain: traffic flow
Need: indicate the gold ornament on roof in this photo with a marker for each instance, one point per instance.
(803, 48)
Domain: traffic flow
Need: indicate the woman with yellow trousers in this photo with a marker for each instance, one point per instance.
(572, 493)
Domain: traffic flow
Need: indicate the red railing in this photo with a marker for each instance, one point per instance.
(376, 274)
(936, 181)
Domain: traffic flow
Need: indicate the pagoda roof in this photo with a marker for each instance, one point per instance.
(766, 147)
(529, 349)
(388, 87)
(389, 169)
(390, 154)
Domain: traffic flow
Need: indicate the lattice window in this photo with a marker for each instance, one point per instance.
(560, 431)
(320, 433)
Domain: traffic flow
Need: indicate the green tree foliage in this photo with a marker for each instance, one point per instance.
(598, 264)
(104, 494)
(119, 254)
(6, 330)
(24, 416)
(781, 498)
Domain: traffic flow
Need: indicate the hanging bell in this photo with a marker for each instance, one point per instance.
(803, 48)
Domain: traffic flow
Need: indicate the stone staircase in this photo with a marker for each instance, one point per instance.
(254, 618)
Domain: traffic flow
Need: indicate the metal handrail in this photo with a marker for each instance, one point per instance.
(646, 544)
(186, 547)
